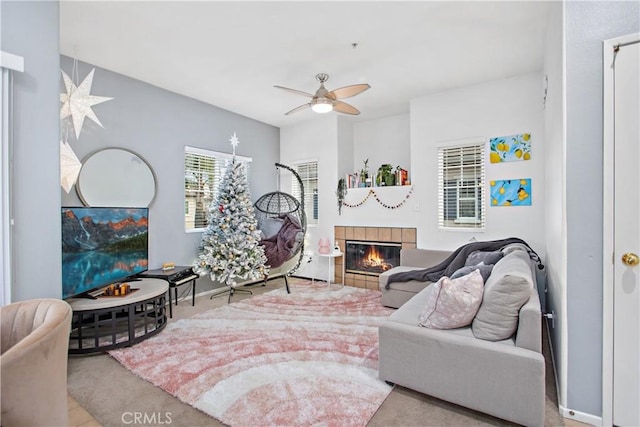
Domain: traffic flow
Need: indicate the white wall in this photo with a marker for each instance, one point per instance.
(315, 139)
(555, 192)
(497, 108)
(345, 146)
(487, 110)
(382, 141)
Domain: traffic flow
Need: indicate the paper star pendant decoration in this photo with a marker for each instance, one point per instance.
(234, 142)
(69, 166)
(77, 101)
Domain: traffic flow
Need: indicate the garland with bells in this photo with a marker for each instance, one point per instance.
(372, 192)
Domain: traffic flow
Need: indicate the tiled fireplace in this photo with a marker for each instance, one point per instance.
(368, 251)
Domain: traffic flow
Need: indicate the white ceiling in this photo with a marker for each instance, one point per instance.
(230, 54)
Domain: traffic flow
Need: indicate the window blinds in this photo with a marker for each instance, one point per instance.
(203, 174)
(309, 175)
(461, 186)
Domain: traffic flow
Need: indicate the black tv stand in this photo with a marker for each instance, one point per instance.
(177, 276)
(103, 324)
(86, 295)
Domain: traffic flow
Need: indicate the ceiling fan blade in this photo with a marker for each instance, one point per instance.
(348, 91)
(298, 92)
(295, 110)
(343, 107)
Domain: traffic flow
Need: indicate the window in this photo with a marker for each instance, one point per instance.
(203, 173)
(308, 172)
(461, 186)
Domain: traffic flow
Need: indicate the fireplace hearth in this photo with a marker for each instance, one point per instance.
(404, 237)
(371, 258)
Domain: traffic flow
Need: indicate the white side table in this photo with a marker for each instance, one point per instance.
(330, 256)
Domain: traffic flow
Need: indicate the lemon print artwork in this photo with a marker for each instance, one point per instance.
(510, 148)
(511, 192)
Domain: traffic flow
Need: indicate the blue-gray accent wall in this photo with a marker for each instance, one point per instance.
(157, 124)
(587, 25)
(30, 29)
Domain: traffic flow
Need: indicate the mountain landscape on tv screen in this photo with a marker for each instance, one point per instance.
(88, 233)
(101, 246)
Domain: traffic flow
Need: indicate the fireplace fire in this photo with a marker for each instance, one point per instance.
(371, 258)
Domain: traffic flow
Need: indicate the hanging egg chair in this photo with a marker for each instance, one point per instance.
(283, 223)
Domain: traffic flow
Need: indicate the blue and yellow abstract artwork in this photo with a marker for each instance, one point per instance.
(511, 192)
(510, 148)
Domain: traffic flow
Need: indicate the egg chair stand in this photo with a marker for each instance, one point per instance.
(281, 207)
(231, 291)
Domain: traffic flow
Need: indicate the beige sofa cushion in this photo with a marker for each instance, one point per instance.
(413, 286)
(505, 292)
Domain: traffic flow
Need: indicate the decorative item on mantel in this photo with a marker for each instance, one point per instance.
(375, 195)
(402, 176)
(365, 181)
(341, 192)
(385, 176)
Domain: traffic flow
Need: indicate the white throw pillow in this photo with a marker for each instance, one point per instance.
(453, 303)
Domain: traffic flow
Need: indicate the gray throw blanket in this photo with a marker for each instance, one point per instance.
(284, 244)
(457, 260)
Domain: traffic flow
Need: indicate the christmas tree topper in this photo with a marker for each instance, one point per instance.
(234, 143)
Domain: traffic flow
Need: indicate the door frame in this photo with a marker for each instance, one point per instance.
(9, 63)
(608, 126)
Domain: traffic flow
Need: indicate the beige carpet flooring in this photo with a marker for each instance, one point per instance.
(114, 396)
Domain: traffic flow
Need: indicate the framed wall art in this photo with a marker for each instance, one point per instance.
(510, 148)
(511, 192)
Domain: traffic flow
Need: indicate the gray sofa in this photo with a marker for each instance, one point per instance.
(410, 259)
(503, 378)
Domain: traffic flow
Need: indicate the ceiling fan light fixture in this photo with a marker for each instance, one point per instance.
(322, 106)
(324, 101)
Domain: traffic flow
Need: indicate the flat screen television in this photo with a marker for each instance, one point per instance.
(101, 246)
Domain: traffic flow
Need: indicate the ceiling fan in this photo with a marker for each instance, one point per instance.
(324, 101)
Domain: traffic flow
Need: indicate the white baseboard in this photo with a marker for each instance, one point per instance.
(580, 416)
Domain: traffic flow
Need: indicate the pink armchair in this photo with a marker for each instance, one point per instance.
(34, 345)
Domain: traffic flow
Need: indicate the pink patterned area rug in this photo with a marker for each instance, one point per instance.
(300, 359)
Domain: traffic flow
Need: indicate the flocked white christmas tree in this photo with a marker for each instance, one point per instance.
(229, 251)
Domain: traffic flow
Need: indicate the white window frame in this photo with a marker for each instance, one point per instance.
(477, 222)
(309, 202)
(224, 159)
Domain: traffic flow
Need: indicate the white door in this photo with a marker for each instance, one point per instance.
(626, 234)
